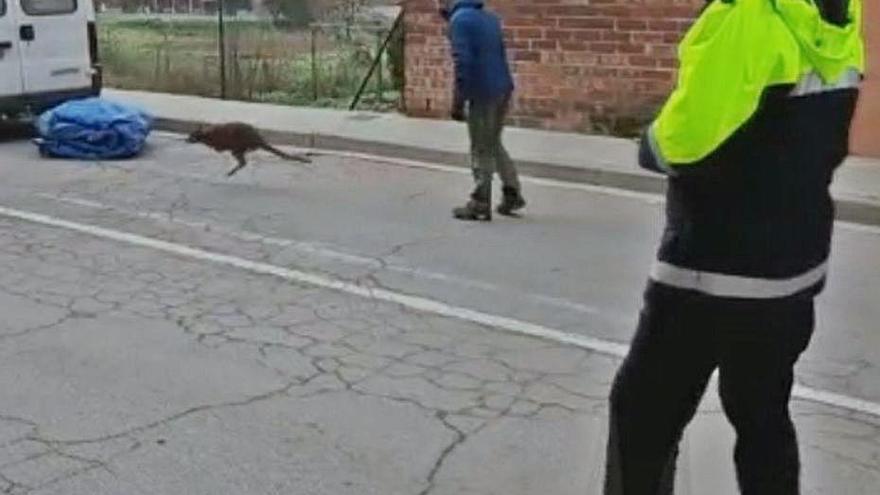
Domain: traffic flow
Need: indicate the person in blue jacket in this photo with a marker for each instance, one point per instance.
(484, 85)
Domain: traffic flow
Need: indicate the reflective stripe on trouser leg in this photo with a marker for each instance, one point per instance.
(734, 286)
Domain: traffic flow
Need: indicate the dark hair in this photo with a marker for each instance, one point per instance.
(834, 11)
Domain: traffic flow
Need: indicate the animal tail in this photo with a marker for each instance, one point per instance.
(287, 156)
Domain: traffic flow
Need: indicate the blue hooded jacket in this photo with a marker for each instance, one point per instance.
(482, 73)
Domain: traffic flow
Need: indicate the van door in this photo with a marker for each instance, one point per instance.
(55, 45)
(10, 61)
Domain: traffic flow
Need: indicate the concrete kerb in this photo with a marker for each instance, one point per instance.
(852, 210)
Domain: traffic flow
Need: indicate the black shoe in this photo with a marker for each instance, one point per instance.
(512, 202)
(474, 211)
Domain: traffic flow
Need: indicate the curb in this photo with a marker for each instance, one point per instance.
(848, 209)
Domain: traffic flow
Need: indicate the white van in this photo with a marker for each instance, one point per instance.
(48, 54)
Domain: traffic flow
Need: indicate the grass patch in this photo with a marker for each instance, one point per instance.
(264, 62)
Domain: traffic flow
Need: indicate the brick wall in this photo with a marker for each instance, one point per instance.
(866, 133)
(580, 65)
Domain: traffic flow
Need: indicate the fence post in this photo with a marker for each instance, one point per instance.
(378, 59)
(221, 34)
(380, 50)
(314, 64)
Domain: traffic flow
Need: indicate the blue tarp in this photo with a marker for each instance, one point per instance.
(93, 129)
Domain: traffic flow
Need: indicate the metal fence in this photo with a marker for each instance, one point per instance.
(260, 59)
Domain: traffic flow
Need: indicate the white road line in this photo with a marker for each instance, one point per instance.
(412, 302)
(325, 252)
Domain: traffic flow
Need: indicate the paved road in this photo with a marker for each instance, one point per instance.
(173, 331)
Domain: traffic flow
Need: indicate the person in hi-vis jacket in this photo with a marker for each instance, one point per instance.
(749, 139)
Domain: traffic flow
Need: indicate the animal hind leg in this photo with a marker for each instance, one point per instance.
(242, 162)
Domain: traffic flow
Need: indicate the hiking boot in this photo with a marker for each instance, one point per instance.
(474, 211)
(512, 202)
(479, 207)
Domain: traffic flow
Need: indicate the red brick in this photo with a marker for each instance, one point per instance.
(649, 37)
(662, 50)
(525, 21)
(573, 46)
(612, 60)
(543, 45)
(603, 47)
(573, 11)
(528, 33)
(662, 25)
(590, 35)
(632, 25)
(643, 61)
(558, 34)
(673, 38)
(622, 11)
(530, 9)
(631, 48)
(586, 23)
(659, 75)
(679, 11)
(527, 56)
(616, 36)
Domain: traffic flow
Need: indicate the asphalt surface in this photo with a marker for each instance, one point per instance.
(170, 330)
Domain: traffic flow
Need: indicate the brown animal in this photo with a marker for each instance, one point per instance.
(239, 139)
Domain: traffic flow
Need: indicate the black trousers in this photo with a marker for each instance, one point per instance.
(681, 339)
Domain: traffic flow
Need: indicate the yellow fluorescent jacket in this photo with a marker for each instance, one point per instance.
(733, 53)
